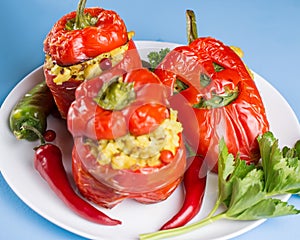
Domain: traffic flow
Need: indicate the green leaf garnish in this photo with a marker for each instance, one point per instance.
(218, 100)
(156, 58)
(180, 86)
(205, 80)
(246, 192)
(217, 67)
(250, 192)
(267, 208)
(282, 168)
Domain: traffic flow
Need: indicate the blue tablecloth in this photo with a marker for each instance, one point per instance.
(267, 31)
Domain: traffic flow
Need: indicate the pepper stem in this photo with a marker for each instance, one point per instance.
(115, 94)
(37, 132)
(191, 26)
(82, 20)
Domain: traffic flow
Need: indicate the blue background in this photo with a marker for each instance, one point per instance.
(267, 31)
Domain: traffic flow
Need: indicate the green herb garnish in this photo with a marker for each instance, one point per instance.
(156, 58)
(249, 192)
(218, 67)
(282, 169)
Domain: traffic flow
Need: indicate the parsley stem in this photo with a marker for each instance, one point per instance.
(181, 230)
(215, 208)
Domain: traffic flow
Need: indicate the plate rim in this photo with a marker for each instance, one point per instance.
(251, 226)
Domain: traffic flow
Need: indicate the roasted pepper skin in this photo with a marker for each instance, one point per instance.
(239, 121)
(73, 45)
(64, 94)
(69, 47)
(31, 110)
(147, 110)
(108, 197)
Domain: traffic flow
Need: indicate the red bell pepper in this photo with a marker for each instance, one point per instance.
(127, 142)
(82, 45)
(217, 88)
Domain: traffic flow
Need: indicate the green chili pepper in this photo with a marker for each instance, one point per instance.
(32, 110)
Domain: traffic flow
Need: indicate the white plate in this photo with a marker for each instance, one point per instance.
(16, 165)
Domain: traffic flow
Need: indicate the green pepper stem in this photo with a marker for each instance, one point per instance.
(181, 230)
(37, 132)
(191, 26)
(115, 94)
(80, 21)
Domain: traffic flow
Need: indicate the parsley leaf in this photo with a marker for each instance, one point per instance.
(229, 168)
(282, 170)
(246, 192)
(267, 208)
(218, 67)
(155, 58)
(249, 192)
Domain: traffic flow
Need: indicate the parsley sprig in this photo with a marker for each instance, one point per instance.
(250, 192)
(281, 168)
(156, 57)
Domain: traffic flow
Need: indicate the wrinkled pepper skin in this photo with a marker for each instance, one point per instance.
(239, 120)
(64, 94)
(146, 112)
(93, 116)
(70, 47)
(105, 196)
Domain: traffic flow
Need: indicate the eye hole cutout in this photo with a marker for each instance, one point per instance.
(217, 67)
(205, 80)
(180, 86)
(218, 100)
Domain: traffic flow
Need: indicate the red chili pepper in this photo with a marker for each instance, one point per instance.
(194, 185)
(83, 45)
(48, 162)
(117, 113)
(217, 86)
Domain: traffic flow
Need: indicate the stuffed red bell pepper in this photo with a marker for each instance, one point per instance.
(127, 141)
(82, 45)
(219, 89)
